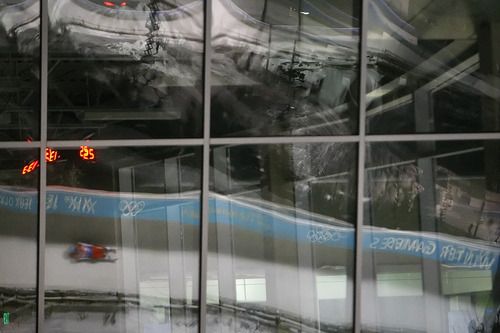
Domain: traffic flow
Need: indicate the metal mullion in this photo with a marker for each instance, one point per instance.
(127, 143)
(19, 144)
(283, 140)
(260, 140)
(42, 219)
(358, 274)
(433, 137)
(205, 188)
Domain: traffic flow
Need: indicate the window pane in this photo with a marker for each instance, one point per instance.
(281, 238)
(431, 237)
(127, 70)
(284, 67)
(122, 244)
(433, 66)
(19, 70)
(18, 238)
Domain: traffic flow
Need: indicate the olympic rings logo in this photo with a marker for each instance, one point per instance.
(320, 235)
(131, 208)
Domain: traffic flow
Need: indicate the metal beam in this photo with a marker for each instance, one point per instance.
(363, 66)
(44, 41)
(205, 184)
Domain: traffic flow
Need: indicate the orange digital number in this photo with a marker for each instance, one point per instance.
(87, 153)
(30, 167)
(50, 156)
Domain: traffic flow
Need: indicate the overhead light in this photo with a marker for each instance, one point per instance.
(111, 4)
(304, 13)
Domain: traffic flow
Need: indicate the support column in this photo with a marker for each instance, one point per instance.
(489, 60)
(176, 270)
(282, 272)
(129, 261)
(225, 250)
(435, 314)
(308, 294)
(226, 271)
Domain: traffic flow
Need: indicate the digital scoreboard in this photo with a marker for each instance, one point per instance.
(86, 153)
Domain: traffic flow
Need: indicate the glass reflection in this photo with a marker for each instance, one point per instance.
(19, 70)
(127, 70)
(433, 66)
(432, 237)
(284, 67)
(122, 245)
(281, 238)
(18, 239)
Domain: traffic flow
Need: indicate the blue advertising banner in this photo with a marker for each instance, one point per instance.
(271, 220)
